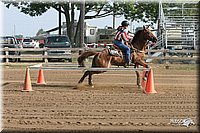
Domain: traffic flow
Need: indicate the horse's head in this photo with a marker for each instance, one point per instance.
(148, 35)
(141, 38)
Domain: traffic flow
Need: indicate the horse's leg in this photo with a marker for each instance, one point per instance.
(90, 79)
(83, 77)
(138, 76)
(146, 73)
(144, 64)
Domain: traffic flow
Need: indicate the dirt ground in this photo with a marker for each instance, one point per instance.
(114, 104)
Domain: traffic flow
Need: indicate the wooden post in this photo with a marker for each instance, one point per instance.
(194, 45)
(45, 54)
(82, 17)
(7, 54)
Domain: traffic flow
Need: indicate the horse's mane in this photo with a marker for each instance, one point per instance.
(136, 36)
(138, 40)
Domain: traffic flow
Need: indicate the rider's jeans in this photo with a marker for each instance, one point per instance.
(125, 49)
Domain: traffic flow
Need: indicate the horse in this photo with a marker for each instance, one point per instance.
(104, 59)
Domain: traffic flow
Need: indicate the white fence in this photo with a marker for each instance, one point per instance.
(42, 54)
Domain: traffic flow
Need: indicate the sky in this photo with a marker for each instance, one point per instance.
(18, 23)
(25, 24)
(12, 21)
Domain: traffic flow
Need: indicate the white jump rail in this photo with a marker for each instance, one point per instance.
(39, 66)
(116, 69)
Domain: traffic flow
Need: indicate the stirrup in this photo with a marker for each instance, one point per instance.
(114, 53)
(126, 65)
(131, 64)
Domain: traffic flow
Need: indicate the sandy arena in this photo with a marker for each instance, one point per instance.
(114, 104)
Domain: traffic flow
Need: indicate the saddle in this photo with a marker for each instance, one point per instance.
(115, 51)
(137, 54)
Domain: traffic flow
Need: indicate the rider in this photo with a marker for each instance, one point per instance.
(121, 38)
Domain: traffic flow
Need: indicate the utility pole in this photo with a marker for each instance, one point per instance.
(59, 21)
(82, 18)
(113, 14)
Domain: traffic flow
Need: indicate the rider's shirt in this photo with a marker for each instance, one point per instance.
(121, 34)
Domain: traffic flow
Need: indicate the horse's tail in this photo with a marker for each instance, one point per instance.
(83, 56)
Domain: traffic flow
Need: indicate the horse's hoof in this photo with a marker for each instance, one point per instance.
(78, 86)
(79, 82)
(145, 78)
(91, 85)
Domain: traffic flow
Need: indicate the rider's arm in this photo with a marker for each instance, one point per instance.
(125, 37)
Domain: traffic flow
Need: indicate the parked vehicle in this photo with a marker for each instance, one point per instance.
(40, 41)
(28, 43)
(58, 41)
(10, 42)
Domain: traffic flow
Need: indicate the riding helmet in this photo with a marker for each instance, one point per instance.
(125, 23)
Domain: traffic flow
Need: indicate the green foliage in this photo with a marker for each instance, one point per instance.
(146, 12)
(131, 11)
(30, 8)
(40, 31)
(134, 11)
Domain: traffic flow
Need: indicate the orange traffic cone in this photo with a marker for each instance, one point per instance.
(143, 82)
(41, 77)
(150, 83)
(27, 81)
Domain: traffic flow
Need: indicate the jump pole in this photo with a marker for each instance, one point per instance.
(116, 69)
(74, 67)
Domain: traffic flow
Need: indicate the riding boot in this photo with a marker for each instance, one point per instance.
(126, 65)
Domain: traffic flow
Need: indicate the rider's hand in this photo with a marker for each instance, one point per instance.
(130, 39)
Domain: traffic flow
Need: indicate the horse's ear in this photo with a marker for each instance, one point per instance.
(147, 27)
(144, 27)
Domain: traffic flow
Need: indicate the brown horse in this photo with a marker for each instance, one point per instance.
(104, 59)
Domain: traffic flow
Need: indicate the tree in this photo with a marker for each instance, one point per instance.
(67, 8)
(40, 31)
(145, 12)
(132, 11)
